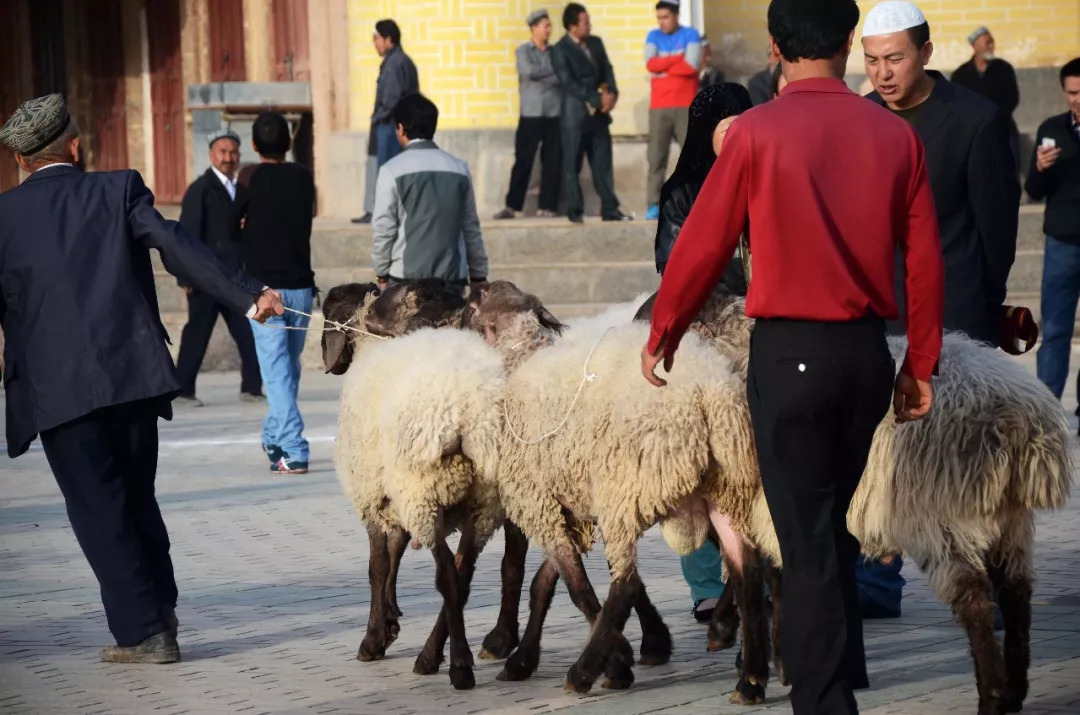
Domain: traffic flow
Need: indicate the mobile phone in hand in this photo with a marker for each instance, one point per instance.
(1048, 143)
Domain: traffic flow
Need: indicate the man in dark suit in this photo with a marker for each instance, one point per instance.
(993, 78)
(211, 211)
(976, 196)
(87, 366)
(589, 94)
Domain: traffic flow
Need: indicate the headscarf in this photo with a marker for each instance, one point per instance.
(710, 106)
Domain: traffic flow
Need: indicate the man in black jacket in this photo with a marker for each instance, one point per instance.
(1054, 175)
(589, 94)
(976, 196)
(993, 78)
(211, 211)
(87, 366)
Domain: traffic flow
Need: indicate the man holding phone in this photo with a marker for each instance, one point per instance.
(1055, 176)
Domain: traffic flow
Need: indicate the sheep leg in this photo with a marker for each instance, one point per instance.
(377, 638)
(395, 545)
(754, 674)
(973, 608)
(1014, 599)
(724, 624)
(773, 575)
(603, 649)
(504, 637)
(656, 645)
(523, 662)
(431, 657)
(446, 580)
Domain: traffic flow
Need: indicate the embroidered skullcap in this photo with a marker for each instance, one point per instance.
(977, 34)
(36, 124)
(892, 16)
(223, 134)
(536, 16)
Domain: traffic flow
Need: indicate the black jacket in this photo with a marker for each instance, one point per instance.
(77, 300)
(998, 84)
(397, 77)
(582, 77)
(1060, 184)
(678, 199)
(760, 86)
(208, 214)
(977, 196)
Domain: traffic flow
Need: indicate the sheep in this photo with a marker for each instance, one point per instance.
(955, 492)
(418, 468)
(625, 457)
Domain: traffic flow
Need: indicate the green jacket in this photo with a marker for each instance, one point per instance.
(580, 76)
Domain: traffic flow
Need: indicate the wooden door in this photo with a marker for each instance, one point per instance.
(289, 22)
(166, 99)
(12, 89)
(105, 78)
(226, 25)
(47, 46)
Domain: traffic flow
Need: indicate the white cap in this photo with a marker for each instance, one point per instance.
(892, 16)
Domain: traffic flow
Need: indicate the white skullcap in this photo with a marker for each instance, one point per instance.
(892, 16)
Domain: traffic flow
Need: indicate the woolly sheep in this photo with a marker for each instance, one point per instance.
(954, 492)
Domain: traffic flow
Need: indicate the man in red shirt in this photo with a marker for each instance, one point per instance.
(830, 185)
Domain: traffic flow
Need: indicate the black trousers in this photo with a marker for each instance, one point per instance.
(589, 137)
(817, 392)
(534, 132)
(105, 464)
(202, 314)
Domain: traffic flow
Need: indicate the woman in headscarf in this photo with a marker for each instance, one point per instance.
(711, 112)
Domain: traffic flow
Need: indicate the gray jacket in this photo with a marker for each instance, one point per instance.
(541, 92)
(397, 78)
(425, 223)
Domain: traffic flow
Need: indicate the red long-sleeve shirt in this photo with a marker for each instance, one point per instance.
(831, 184)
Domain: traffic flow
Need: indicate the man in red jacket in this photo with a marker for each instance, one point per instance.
(831, 184)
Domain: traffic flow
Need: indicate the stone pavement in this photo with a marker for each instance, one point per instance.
(273, 579)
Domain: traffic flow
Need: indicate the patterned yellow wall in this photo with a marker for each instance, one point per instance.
(464, 52)
(1029, 33)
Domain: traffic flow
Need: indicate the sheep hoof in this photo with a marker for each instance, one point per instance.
(498, 645)
(654, 659)
(576, 682)
(518, 667)
(462, 678)
(1012, 701)
(369, 652)
(619, 681)
(994, 706)
(427, 665)
(781, 674)
(747, 693)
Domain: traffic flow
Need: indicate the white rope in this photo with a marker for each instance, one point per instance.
(586, 377)
(342, 326)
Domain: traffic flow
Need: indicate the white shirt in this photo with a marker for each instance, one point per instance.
(49, 166)
(230, 184)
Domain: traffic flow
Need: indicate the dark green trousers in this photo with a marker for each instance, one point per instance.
(589, 137)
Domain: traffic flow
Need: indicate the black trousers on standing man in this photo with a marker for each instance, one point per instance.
(202, 314)
(817, 392)
(105, 464)
(533, 133)
(588, 136)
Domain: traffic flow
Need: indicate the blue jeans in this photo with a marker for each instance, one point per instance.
(279, 361)
(386, 143)
(880, 586)
(1060, 290)
(701, 570)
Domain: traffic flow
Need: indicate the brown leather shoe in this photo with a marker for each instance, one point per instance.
(157, 649)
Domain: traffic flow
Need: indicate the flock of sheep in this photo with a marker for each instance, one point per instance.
(473, 415)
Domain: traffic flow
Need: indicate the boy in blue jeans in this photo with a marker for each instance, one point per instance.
(277, 250)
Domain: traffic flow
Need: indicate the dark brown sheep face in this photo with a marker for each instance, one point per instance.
(501, 307)
(425, 303)
(340, 306)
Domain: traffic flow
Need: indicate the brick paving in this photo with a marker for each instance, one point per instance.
(273, 604)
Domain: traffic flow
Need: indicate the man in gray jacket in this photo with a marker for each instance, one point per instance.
(425, 223)
(541, 95)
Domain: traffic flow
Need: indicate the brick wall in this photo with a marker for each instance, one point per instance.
(1029, 33)
(464, 52)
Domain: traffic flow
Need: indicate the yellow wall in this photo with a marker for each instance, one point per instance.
(464, 52)
(1029, 33)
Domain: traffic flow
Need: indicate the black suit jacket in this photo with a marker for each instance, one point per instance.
(77, 301)
(210, 215)
(581, 77)
(977, 196)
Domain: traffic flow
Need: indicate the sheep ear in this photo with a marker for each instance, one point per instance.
(334, 343)
(549, 321)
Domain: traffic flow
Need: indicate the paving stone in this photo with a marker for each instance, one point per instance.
(273, 603)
